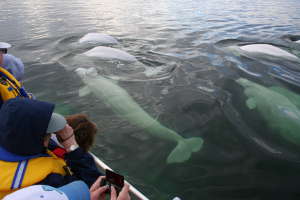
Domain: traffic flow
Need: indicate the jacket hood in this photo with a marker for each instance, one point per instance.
(23, 125)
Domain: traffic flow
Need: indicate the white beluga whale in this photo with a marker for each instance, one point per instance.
(124, 106)
(98, 38)
(277, 107)
(108, 53)
(268, 49)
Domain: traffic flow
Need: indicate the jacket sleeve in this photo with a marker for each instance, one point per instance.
(57, 180)
(82, 165)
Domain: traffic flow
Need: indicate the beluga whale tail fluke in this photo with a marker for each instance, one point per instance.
(182, 152)
(124, 106)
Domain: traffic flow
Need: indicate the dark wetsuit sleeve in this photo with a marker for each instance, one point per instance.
(82, 165)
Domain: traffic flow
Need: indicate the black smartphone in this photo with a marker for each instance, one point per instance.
(114, 179)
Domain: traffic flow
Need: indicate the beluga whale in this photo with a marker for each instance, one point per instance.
(124, 106)
(108, 53)
(97, 38)
(280, 113)
(267, 49)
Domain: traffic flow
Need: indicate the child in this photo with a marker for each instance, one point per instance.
(84, 131)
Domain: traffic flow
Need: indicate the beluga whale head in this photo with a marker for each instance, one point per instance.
(244, 82)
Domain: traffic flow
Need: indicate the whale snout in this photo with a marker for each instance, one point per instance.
(83, 71)
(80, 71)
(242, 81)
(92, 71)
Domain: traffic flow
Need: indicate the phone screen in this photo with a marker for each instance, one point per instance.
(114, 178)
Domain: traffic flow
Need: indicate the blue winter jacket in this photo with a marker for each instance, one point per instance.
(23, 124)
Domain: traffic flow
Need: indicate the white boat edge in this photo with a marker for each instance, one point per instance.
(132, 189)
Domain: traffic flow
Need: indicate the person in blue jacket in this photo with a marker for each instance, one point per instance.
(11, 63)
(25, 130)
(76, 190)
(11, 75)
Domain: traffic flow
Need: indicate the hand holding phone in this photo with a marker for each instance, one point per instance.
(102, 187)
(97, 192)
(113, 179)
(123, 195)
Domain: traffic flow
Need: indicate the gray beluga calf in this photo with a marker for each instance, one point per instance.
(268, 49)
(278, 110)
(108, 53)
(124, 106)
(98, 38)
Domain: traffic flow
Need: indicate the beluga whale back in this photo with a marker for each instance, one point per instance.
(108, 53)
(97, 38)
(124, 106)
(268, 49)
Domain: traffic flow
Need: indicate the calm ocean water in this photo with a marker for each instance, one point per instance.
(194, 93)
